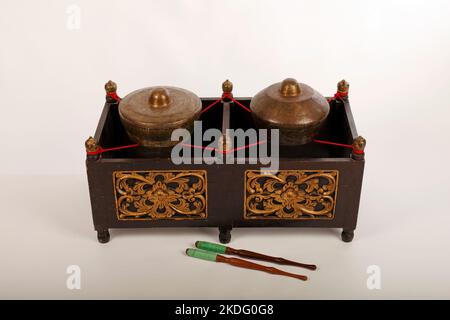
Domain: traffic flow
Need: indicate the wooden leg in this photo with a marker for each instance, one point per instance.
(347, 235)
(103, 236)
(225, 234)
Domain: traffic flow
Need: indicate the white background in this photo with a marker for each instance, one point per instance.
(395, 54)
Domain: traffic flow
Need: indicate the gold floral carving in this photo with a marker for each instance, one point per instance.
(154, 195)
(290, 194)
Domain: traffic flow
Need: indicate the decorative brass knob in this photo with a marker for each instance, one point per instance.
(91, 145)
(110, 86)
(290, 88)
(343, 86)
(359, 144)
(159, 98)
(227, 86)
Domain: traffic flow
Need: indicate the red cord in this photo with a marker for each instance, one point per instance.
(340, 145)
(339, 95)
(114, 96)
(226, 95)
(100, 150)
(229, 95)
(240, 105)
(211, 105)
(224, 151)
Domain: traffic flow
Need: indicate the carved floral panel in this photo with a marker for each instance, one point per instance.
(290, 194)
(154, 195)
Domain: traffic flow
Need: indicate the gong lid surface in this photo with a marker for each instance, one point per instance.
(161, 106)
(290, 104)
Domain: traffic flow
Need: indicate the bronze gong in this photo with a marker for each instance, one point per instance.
(294, 108)
(150, 115)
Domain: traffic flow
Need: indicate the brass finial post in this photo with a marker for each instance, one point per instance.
(225, 143)
(359, 144)
(92, 148)
(111, 92)
(227, 88)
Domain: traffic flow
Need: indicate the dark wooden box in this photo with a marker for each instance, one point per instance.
(317, 185)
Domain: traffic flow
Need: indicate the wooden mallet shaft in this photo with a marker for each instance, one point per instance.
(211, 256)
(218, 248)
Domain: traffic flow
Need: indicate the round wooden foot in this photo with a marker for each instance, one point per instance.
(103, 236)
(347, 235)
(225, 234)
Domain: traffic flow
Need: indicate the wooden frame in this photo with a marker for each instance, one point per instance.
(225, 182)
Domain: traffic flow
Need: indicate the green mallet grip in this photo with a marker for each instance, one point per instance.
(201, 254)
(209, 246)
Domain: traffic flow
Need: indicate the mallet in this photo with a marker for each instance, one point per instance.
(218, 248)
(211, 256)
